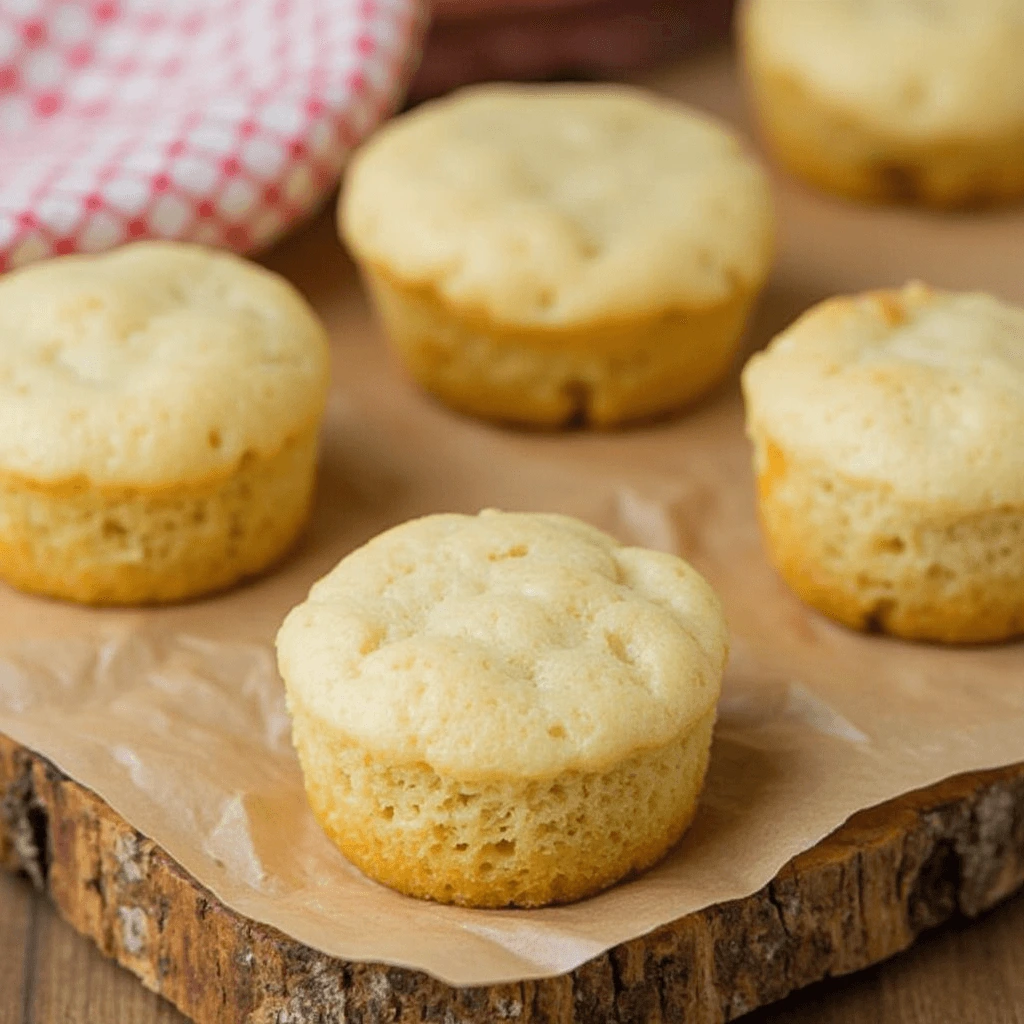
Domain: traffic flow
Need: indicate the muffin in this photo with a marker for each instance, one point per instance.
(159, 408)
(547, 255)
(892, 99)
(503, 709)
(888, 433)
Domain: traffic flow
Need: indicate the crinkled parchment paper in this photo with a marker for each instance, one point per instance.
(176, 716)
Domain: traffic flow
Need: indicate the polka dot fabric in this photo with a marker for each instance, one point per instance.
(214, 121)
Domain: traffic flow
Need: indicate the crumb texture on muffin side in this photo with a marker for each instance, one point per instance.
(515, 696)
(159, 407)
(888, 433)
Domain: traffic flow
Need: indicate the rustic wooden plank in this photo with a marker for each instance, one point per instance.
(982, 962)
(17, 941)
(860, 896)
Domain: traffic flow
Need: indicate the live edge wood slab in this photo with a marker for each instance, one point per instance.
(863, 894)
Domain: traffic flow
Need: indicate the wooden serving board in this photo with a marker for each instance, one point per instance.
(863, 894)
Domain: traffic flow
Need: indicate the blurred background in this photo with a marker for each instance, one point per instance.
(476, 40)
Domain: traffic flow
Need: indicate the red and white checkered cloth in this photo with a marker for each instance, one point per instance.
(215, 121)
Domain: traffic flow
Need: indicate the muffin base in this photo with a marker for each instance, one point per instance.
(832, 150)
(118, 546)
(500, 842)
(854, 551)
(600, 375)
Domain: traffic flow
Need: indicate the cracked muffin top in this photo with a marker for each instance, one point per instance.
(916, 389)
(505, 644)
(156, 363)
(560, 206)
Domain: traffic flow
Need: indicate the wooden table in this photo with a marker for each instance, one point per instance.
(960, 975)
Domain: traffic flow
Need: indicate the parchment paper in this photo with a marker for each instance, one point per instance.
(176, 717)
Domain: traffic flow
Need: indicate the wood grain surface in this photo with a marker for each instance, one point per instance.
(968, 974)
(862, 895)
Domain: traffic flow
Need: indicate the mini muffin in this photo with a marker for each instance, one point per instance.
(503, 709)
(553, 254)
(888, 435)
(892, 99)
(159, 409)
